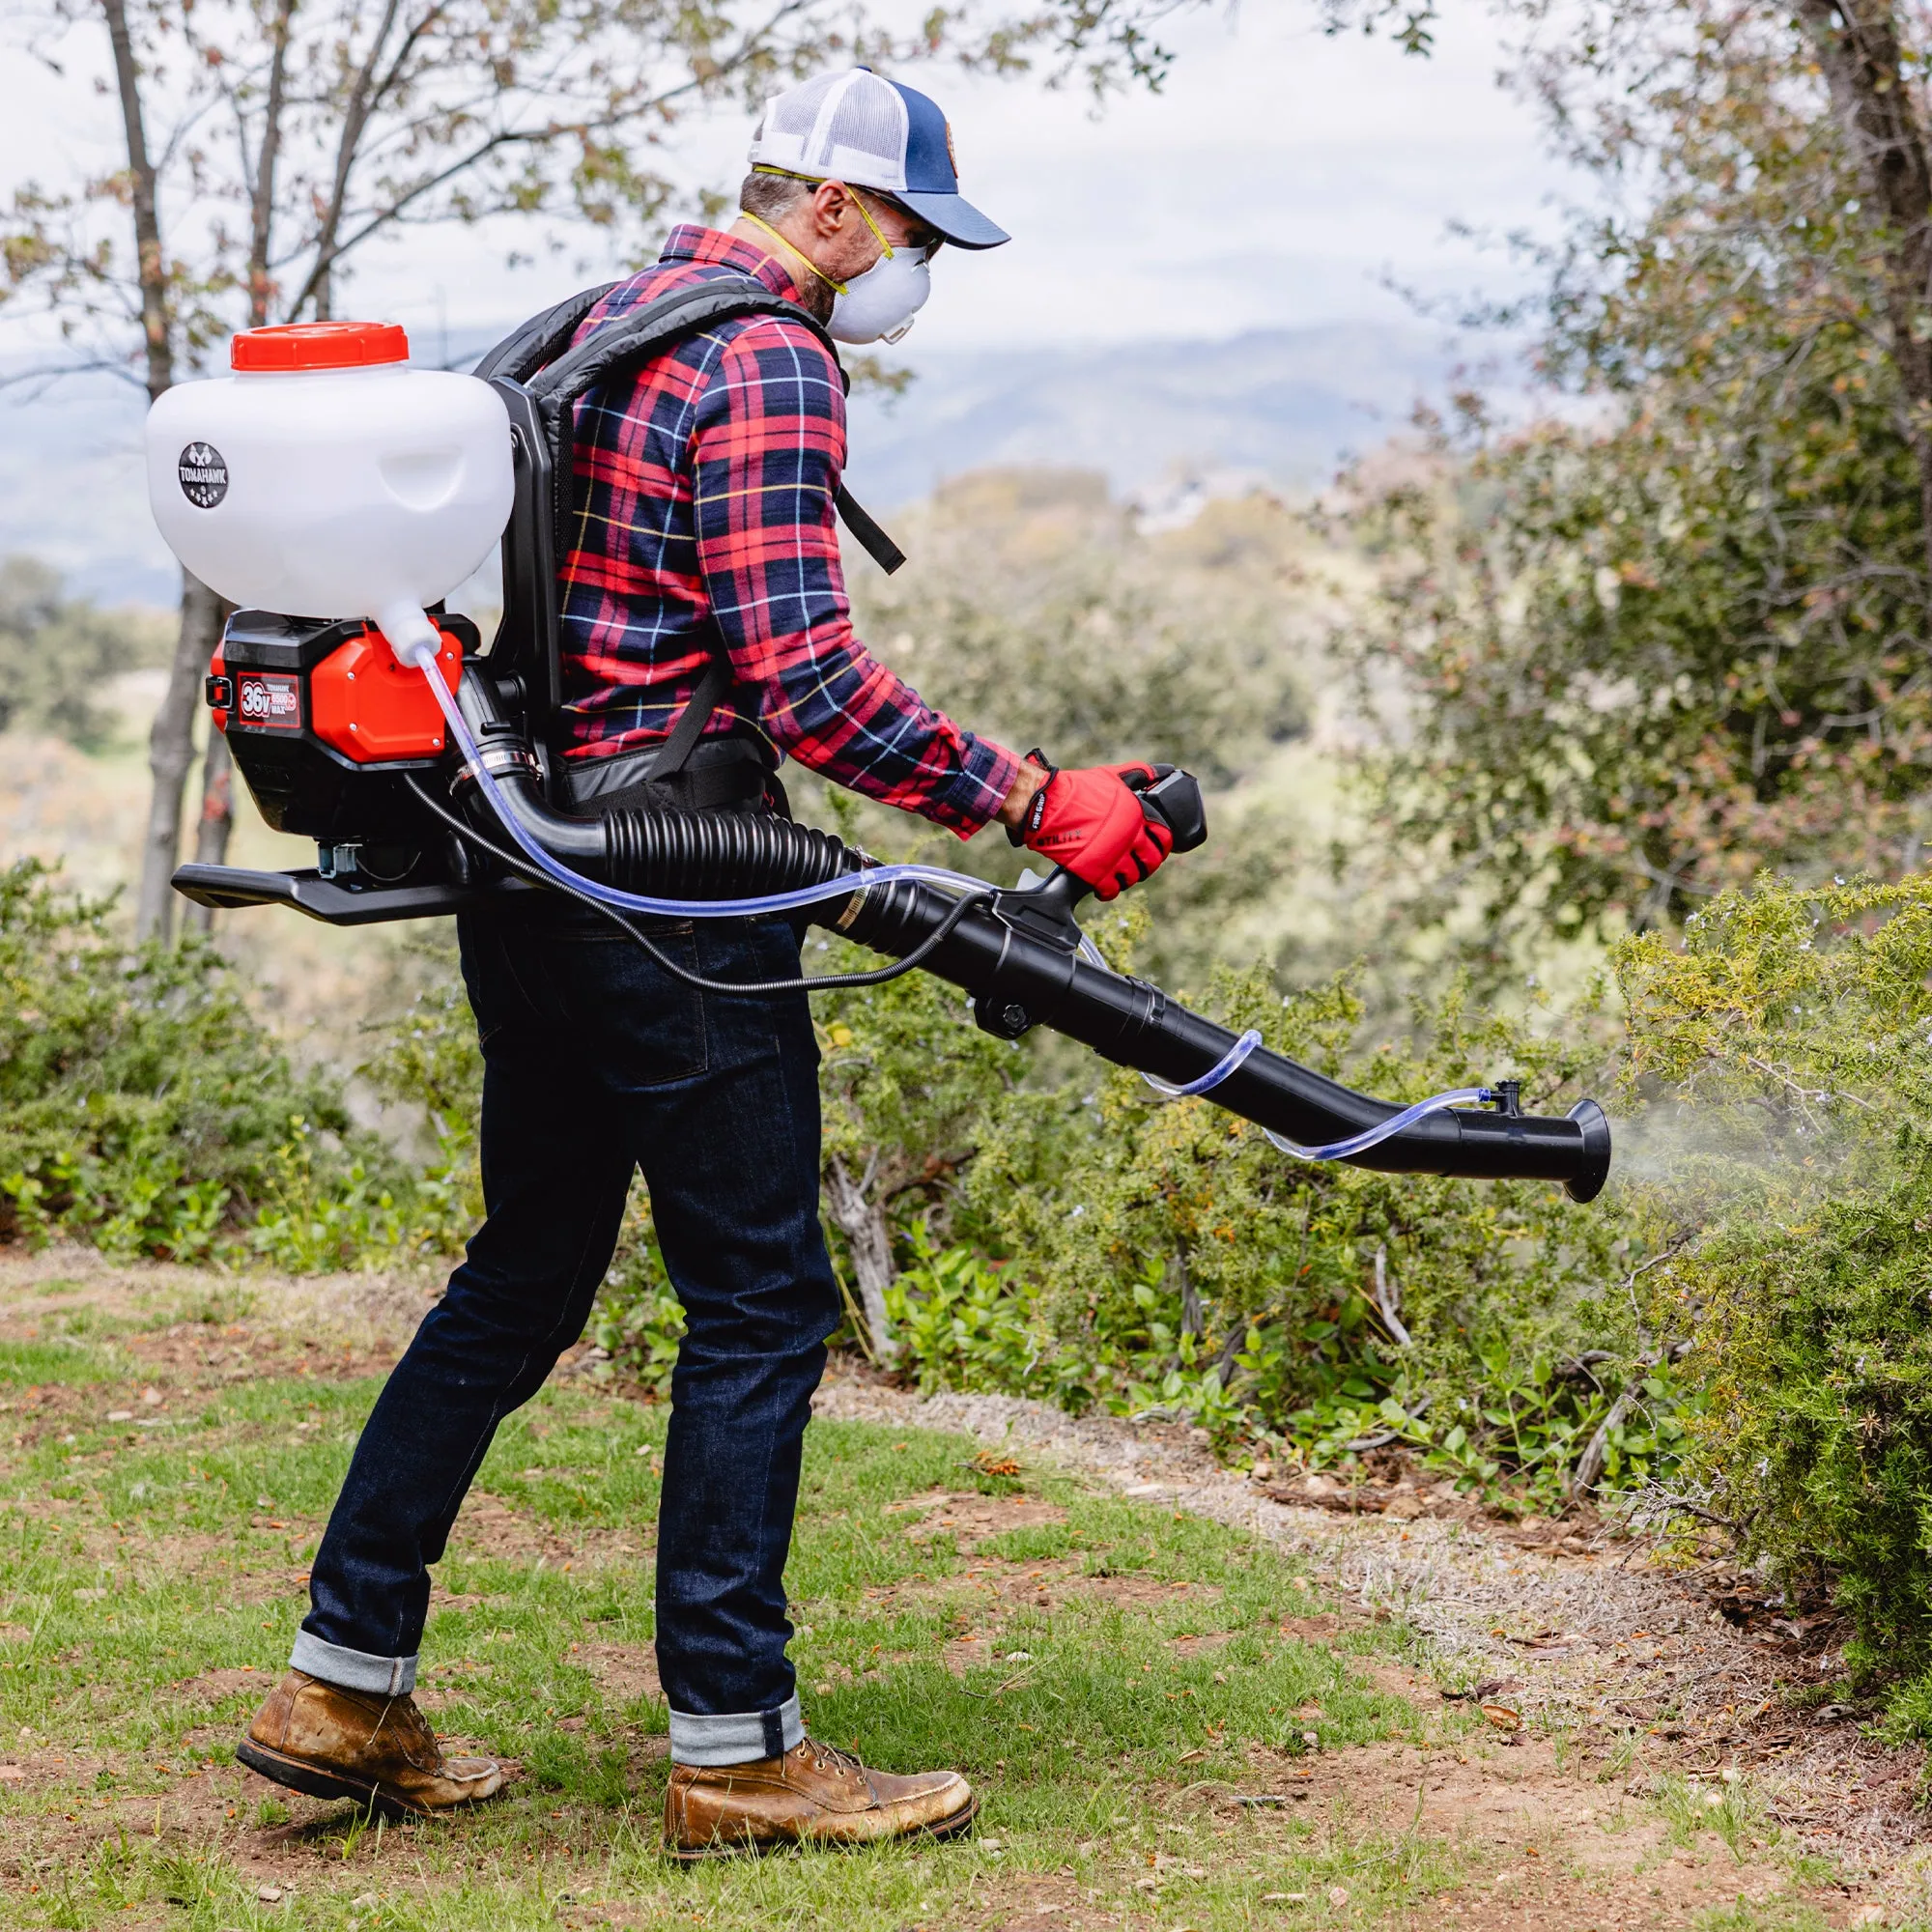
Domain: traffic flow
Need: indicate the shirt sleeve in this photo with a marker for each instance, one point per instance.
(768, 447)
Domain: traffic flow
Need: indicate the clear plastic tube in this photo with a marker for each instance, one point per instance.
(1355, 1144)
(1455, 1097)
(611, 896)
(1214, 1075)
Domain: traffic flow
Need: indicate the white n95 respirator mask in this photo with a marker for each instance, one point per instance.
(879, 305)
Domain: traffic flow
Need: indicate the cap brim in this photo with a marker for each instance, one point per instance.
(954, 216)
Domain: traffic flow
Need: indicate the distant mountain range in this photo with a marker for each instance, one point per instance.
(1159, 418)
(1284, 405)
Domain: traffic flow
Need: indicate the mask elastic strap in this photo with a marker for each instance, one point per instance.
(866, 214)
(839, 288)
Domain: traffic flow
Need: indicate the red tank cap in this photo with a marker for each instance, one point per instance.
(289, 347)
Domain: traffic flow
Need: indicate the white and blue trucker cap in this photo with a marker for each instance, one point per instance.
(865, 131)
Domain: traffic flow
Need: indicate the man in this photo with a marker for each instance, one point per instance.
(705, 538)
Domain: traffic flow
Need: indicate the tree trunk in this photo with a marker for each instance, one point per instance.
(170, 753)
(1589, 1470)
(1857, 47)
(1193, 1317)
(218, 818)
(151, 263)
(262, 212)
(863, 1223)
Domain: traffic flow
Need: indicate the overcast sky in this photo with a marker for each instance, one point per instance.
(1279, 181)
(1278, 177)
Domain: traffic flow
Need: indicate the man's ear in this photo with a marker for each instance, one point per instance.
(831, 208)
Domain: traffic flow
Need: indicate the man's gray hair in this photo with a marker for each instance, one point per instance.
(772, 197)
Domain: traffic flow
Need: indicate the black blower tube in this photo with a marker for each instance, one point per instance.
(1019, 958)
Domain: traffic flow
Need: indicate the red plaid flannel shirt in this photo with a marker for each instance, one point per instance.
(705, 482)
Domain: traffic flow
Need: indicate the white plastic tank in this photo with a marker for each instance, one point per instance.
(325, 478)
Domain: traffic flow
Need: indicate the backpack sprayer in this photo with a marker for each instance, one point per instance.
(325, 476)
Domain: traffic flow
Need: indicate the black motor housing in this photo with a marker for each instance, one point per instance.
(283, 690)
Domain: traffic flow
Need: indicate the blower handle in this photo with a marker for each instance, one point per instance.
(1170, 798)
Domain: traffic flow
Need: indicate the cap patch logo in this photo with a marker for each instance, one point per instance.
(951, 154)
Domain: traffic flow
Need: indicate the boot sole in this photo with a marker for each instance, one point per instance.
(313, 1780)
(947, 1828)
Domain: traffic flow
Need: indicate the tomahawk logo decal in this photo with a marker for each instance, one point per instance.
(204, 475)
(266, 700)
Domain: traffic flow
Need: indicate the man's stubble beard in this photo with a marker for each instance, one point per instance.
(816, 298)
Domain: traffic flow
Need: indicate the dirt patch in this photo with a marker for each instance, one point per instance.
(624, 1672)
(1001, 1586)
(1604, 1642)
(192, 1356)
(1540, 1836)
(375, 1312)
(217, 1687)
(971, 1518)
(489, 1527)
(1199, 1645)
(995, 1600)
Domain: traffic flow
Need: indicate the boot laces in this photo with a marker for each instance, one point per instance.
(830, 1757)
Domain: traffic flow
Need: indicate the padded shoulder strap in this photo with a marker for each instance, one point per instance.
(541, 339)
(649, 330)
(626, 342)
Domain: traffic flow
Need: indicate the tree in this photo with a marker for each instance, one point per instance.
(1655, 643)
(267, 143)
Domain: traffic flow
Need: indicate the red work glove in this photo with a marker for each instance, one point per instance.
(1090, 821)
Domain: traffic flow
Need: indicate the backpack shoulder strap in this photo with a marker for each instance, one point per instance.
(867, 532)
(653, 327)
(627, 341)
(541, 339)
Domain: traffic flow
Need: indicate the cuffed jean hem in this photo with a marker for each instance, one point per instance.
(738, 1737)
(356, 1671)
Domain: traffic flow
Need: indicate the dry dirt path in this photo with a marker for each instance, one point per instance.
(1609, 1654)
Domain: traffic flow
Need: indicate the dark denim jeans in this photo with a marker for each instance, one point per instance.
(597, 1062)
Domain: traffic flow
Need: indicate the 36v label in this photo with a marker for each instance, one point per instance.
(262, 698)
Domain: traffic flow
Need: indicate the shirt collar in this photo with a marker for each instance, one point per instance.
(689, 243)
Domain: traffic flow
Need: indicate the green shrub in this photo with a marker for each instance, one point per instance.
(143, 1108)
(1180, 1258)
(58, 655)
(638, 1320)
(960, 1326)
(427, 1056)
(1783, 1056)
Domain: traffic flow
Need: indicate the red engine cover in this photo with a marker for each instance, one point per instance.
(366, 705)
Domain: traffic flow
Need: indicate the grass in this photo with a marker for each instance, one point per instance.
(1109, 1673)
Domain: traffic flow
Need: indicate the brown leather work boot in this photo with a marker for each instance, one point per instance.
(330, 1743)
(814, 1795)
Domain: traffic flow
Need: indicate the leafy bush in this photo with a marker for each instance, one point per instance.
(960, 1324)
(427, 1055)
(1785, 1056)
(142, 1107)
(638, 1320)
(1173, 1228)
(58, 653)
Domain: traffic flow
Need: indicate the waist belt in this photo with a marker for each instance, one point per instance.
(722, 775)
(685, 769)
